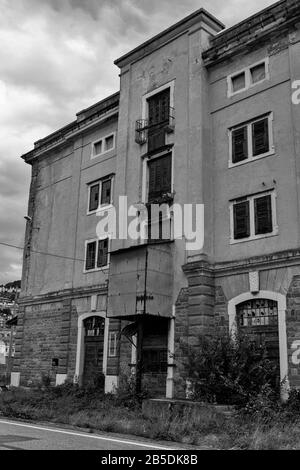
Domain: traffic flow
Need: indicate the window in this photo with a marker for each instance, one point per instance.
(251, 140)
(160, 176)
(100, 194)
(158, 115)
(96, 256)
(103, 145)
(247, 78)
(253, 217)
(112, 344)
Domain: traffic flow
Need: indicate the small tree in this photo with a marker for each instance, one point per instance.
(228, 370)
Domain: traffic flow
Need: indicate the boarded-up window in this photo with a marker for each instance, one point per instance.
(160, 171)
(241, 220)
(239, 144)
(258, 73)
(106, 191)
(238, 82)
(94, 197)
(90, 255)
(109, 143)
(263, 215)
(102, 258)
(260, 137)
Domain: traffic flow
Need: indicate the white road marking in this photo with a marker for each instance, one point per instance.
(91, 436)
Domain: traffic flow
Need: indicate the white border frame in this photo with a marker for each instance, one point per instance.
(80, 343)
(101, 206)
(249, 124)
(251, 199)
(103, 139)
(86, 271)
(283, 351)
(248, 82)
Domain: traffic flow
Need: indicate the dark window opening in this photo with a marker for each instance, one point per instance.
(94, 197)
(241, 220)
(239, 144)
(260, 137)
(238, 82)
(90, 256)
(106, 191)
(102, 258)
(158, 117)
(263, 215)
(160, 172)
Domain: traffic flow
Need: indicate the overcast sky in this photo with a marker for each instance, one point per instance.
(56, 57)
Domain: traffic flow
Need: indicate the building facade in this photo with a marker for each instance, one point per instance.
(204, 116)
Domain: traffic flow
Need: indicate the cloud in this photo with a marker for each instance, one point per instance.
(56, 58)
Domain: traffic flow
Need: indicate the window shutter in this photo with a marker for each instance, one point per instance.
(90, 256)
(106, 192)
(94, 197)
(239, 144)
(241, 220)
(263, 215)
(260, 137)
(102, 253)
(160, 176)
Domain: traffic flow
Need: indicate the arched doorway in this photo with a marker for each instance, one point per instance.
(93, 349)
(280, 300)
(258, 319)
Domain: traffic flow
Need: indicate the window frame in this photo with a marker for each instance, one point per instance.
(248, 79)
(101, 268)
(102, 140)
(251, 200)
(100, 181)
(249, 125)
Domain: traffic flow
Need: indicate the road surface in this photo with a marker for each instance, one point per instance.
(16, 435)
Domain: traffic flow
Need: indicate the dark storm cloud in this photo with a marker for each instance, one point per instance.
(56, 57)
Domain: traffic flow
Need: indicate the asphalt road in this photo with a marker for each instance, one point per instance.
(22, 436)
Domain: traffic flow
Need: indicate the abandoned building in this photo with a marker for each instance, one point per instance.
(204, 116)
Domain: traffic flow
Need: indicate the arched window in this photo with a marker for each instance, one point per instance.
(257, 313)
(94, 326)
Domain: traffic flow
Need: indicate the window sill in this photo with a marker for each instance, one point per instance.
(252, 159)
(101, 154)
(254, 237)
(101, 209)
(95, 270)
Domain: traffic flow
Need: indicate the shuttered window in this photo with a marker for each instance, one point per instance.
(239, 144)
(260, 137)
(254, 217)
(94, 197)
(90, 255)
(251, 140)
(241, 219)
(158, 115)
(263, 215)
(102, 258)
(160, 170)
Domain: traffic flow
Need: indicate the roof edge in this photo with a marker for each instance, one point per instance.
(171, 32)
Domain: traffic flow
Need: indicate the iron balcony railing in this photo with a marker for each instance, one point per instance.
(145, 127)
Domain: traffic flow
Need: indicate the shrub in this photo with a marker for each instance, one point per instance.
(228, 370)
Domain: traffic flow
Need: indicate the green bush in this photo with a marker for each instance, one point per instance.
(228, 370)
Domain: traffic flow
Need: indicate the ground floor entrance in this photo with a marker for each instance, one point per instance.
(93, 350)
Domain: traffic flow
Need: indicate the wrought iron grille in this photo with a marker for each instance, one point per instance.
(259, 312)
(94, 326)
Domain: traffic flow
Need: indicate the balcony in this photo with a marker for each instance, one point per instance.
(141, 282)
(154, 130)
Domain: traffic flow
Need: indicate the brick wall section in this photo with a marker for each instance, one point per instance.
(293, 328)
(41, 341)
(221, 311)
(65, 325)
(201, 299)
(19, 340)
(72, 351)
(181, 335)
